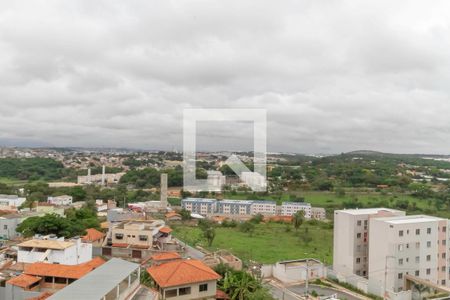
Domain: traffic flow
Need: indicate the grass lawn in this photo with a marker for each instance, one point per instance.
(269, 243)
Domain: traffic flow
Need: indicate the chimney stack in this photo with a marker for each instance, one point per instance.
(103, 174)
(89, 176)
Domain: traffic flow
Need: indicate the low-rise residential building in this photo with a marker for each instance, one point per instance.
(60, 200)
(263, 207)
(291, 271)
(10, 222)
(117, 215)
(54, 250)
(290, 208)
(184, 280)
(234, 207)
(116, 279)
(318, 213)
(137, 233)
(11, 201)
(199, 205)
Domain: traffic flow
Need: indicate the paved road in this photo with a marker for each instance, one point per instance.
(191, 251)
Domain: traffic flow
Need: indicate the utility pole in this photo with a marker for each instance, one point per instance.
(307, 277)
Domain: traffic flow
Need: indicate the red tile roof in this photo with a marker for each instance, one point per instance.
(179, 272)
(63, 271)
(92, 235)
(165, 230)
(23, 280)
(166, 256)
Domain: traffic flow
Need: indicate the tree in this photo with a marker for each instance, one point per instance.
(240, 285)
(210, 234)
(298, 219)
(420, 288)
(185, 214)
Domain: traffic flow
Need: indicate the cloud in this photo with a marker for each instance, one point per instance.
(333, 75)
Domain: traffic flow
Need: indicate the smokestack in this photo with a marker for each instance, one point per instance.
(89, 176)
(103, 174)
(163, 191)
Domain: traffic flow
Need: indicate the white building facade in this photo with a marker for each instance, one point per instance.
(11, 201)
(60, 200)
(52, 250)
(290, 208)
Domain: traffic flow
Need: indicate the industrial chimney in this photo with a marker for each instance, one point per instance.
(89, 176)
(163, 191)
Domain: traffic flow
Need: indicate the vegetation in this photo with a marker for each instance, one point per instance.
(32, 169)
(241, 285)
(263, 245)
(74, 224)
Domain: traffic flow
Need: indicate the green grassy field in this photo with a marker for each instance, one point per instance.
(10, 181)
(269, 243)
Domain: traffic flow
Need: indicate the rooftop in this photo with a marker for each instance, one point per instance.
(92, 235)
(63, 271)
(180, 272)
(165, 256)
(47, 244)
(23, 280)
(97, 283)
(410, 219)
(367, 211)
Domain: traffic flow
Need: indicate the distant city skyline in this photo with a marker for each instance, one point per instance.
(334, 76)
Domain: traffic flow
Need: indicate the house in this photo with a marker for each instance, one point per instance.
(39, 277)
(184, 280)
(291, 271)
(11, 201)
(173, 216)
(54, 250)
(222, 257)
(138, 239)
(115, 279)
(9, 223)
(60, 200)
(94, 237)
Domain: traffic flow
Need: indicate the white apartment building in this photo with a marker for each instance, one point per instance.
(407, 245)
(290, 208)
(351, 238)
(263, 207)
(318, 213)
(54, 250)
(60, 200)
(215, 179)
(11, 200)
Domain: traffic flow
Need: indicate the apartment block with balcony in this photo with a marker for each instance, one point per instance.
(234, 207)
(199, 205)
(263, 207)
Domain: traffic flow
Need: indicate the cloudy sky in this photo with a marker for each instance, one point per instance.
(333, 75)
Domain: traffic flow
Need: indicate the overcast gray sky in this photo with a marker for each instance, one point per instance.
(333, 75)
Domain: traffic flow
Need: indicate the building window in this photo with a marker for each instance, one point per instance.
(184, 291)
(400, 261)
(203, 287)
(429, 244)
(400, 275)
(428, 271)
(358, 260)
(417, 231)
(444, 229)
(444, 242)
(171, 293)
(443, 255)
(417, 245)
(428, 257)
(119, 236)
(417, 273)
(358, 223)
(5, 227)
(358, 235)
(400, 247)
(400, 233)
(417, 259)
(428, 230)
(143, 237)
